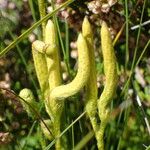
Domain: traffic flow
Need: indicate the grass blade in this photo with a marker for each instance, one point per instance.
(27, 32)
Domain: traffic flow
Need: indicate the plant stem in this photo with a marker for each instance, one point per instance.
(127, 36)
(42, 11)
(100, 135)
(84, 141)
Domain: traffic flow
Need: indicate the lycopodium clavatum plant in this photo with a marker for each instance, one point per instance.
(64, 71)
(91, 85)
(110, 70)
(46, 56)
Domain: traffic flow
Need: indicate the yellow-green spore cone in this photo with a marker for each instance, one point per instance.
(110, 68)
(40, 67)
(30, 105)
(110, 86)
(91, 86)
(52, 56)
(81, 77)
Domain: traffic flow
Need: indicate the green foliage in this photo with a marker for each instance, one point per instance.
(126, 128)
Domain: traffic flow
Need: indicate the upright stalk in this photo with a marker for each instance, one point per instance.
(107, 95)
(41, 4)
(91, 86)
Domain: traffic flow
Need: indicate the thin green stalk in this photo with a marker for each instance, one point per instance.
(28, 31)
(127, 35)
(76, 120)
(138, 37)
(42, 11)
(118, 35)
(62, 46)
(67, 43)
(84, 141)
(29, 134)
(108, 140)
(32, 10)
(72, 136)
(118, 146)
(145, 48)
(126, 116)
(135, 52)
(122, 28)
(61, 41)
(33, 15)
(139, 59)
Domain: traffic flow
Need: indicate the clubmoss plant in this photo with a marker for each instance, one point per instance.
(54, 78)
(51, 53)
(54, 101)
(91, 85)
(55, 93)
(27, 95)
(110, 71)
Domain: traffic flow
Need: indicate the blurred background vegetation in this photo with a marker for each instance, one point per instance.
(127, 130)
